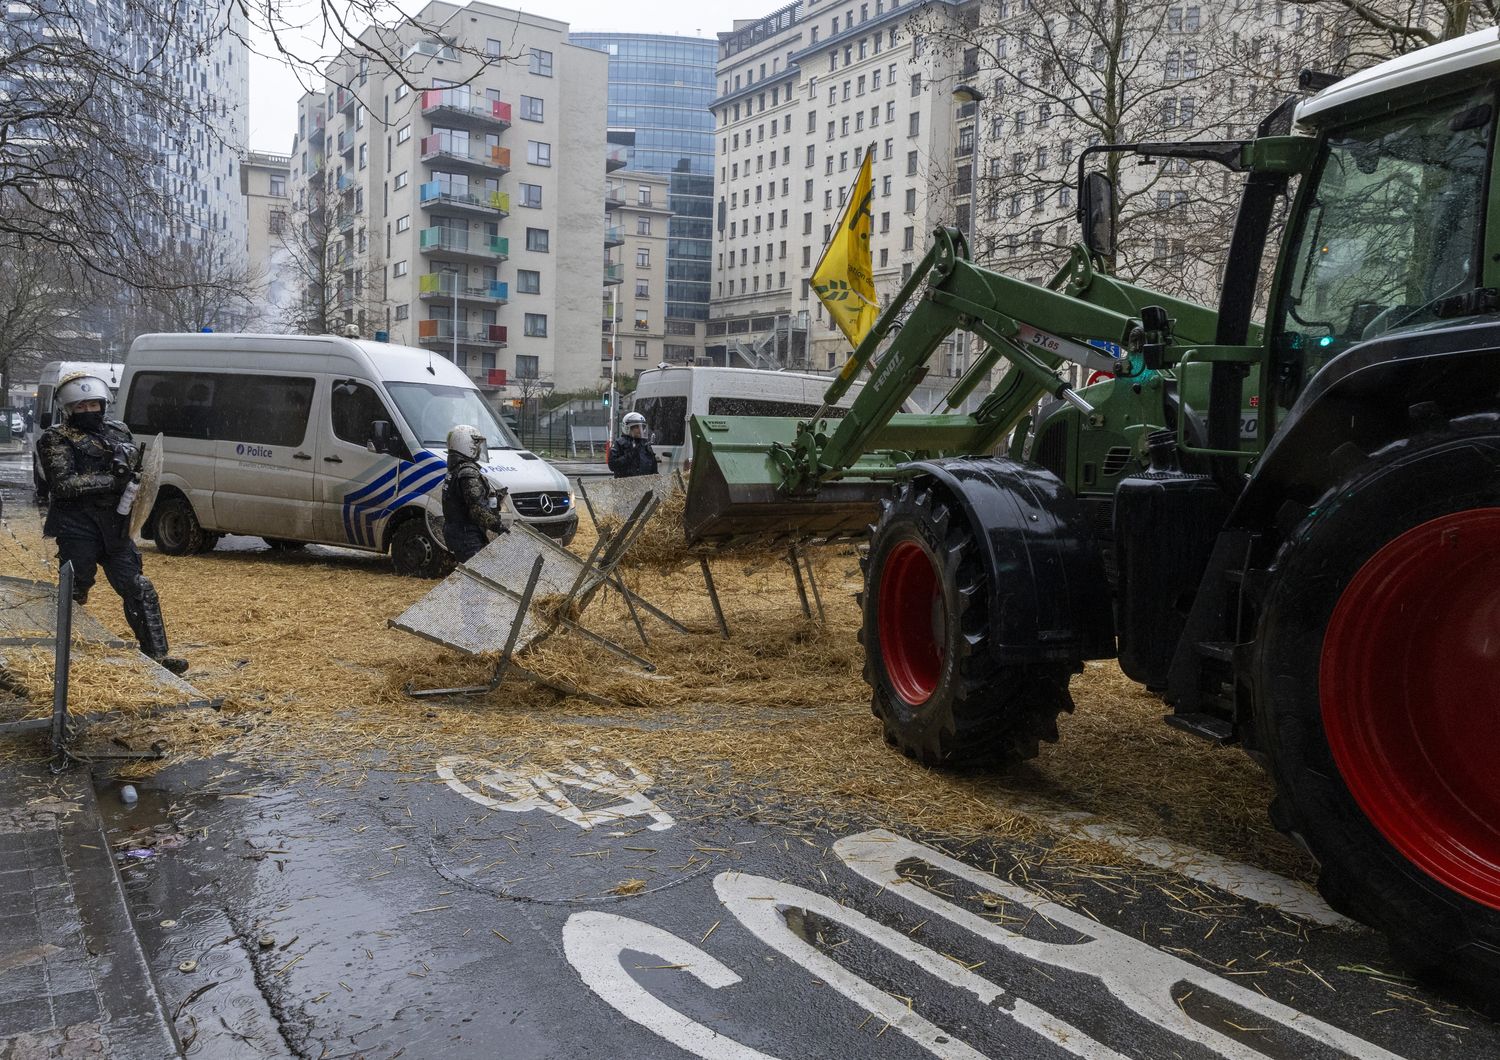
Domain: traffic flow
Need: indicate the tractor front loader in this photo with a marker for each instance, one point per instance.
(1290, 530)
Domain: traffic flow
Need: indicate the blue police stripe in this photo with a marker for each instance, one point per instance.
(377, 498)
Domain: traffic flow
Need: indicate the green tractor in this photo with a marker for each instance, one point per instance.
(1289, 530)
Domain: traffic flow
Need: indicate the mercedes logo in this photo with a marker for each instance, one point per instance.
(545, 505)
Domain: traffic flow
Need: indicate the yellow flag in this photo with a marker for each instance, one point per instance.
(844, 279)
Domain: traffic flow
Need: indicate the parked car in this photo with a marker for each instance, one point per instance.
(324, 439)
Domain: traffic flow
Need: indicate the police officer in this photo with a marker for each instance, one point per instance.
(631, 453)
(471, 506)
(90, 464)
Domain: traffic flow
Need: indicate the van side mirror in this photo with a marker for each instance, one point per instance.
(380, 437)
(44, 419)
(1097, 202)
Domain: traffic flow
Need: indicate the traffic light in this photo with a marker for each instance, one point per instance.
(606, 401)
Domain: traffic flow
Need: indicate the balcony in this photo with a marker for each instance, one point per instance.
(347, 185)
(462, 107)
(439, 333)
(614, 236)
(345, 222)
(444, 286)
(613, 273)
(319, 124)
(346, 144)
(458, 153)
(613, 199)
(488, 203)
(616, 158)
(493, 377)
(458, 243)
(431, 49)
(345, 101)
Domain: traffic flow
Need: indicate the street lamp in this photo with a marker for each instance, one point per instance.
(970, 94)
(453, 293)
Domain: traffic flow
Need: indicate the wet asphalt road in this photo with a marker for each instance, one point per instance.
(469, 912)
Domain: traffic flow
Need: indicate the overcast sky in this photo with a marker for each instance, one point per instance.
(274, 91)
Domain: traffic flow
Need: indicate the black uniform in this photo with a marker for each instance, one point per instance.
(629, 457)
(467, 512)
(86, 471)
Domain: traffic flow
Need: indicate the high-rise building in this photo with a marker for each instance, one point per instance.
(264, 182)
(458, 204)
(803, 94)
(660, 89)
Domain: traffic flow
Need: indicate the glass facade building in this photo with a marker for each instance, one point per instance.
(660, 89)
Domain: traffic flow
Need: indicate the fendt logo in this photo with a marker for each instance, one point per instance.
(252, 450)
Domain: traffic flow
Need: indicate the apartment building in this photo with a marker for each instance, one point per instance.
(977, 112)
(458, 203)
(636, 272)
(803, 94)
(264, 182)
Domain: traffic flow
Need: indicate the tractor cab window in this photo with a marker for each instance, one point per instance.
(1392, 226)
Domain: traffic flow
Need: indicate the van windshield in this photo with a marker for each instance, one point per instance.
(431, 409)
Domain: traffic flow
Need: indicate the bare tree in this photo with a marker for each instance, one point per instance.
(192, 286)
(310, 245)
(37, 313)
(1062, 76)
(1378, 29)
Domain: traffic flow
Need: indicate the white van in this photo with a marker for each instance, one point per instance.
(297, 438)
(47, 410)
(667, 395)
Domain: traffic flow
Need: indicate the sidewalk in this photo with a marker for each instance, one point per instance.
(73, 978)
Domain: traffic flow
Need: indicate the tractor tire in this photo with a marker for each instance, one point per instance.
(925, 630)
(414, 552)
(176, 528)
(1377, 695)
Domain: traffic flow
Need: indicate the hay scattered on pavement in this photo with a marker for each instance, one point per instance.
(298, 645)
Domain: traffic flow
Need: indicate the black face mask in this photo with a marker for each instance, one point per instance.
(91, 422)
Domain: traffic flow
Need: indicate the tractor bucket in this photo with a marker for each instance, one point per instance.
(734, 495)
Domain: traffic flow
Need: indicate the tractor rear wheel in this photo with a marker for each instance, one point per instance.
(1377, 690)
(925, 629)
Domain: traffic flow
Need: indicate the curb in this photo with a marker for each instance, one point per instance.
(139, 1025)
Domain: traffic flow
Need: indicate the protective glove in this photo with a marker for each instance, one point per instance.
(127, 459)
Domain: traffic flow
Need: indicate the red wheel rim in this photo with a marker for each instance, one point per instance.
(1410, 690)
(911, 622)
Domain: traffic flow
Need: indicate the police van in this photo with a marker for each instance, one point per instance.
(668, 394)
(324, 439)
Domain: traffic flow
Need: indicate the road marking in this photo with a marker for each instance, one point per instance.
(1140, 975)
(594, 943)
(1246, 881)
(761, 904)
(528, 789)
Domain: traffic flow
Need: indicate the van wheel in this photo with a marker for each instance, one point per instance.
(178, 532)
(281, 544)
(414, 553)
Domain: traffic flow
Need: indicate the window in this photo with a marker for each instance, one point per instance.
(538, 153)
(400, 181)
(277, 222)
(541, 63)
(536, 326)
(911, 200)
(909, 238)
(911, 163)
(528, 281)
(403, 134)
(914, 123)
(264, 409)
(642, 320)
(643, 288)
(364, 155)
(403, 222)
(398, 269)
(531, 108)
(403, 311)
(354, 409)
(916, 85)
(537, 240)
(643, 195)
(643, 258)
(643, 226)
(666, 419)
(278, 186)
(531, 196)
(528, 365)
